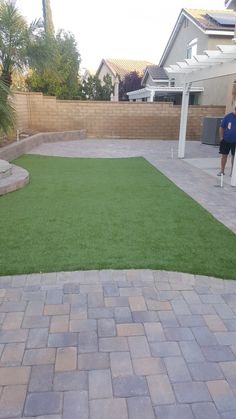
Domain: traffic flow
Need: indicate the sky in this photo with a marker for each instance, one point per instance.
(124, 29)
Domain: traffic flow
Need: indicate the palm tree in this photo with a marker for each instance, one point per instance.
(14, 36)
(7, 113)
(47, 17)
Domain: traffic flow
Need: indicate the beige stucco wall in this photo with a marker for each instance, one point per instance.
(104, 70)
(213, 41)
(158, 120)
(215, 90)
(186, 34)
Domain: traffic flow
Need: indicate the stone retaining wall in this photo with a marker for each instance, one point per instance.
(16, 149)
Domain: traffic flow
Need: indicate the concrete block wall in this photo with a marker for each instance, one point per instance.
(112, 119)
(22, 108)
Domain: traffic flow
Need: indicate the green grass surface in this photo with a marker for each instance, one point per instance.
(108, 213)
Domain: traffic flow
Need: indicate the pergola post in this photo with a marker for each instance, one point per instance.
(233, 178)
(183, 120)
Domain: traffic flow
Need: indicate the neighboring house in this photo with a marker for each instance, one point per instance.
(158, 87)
(117, 69)
(195, 31)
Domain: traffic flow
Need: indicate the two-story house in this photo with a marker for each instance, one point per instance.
(194, 32)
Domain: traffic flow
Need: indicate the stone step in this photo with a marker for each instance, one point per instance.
(5, 169)
(18, 178)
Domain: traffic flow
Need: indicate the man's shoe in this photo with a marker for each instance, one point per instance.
(220, 173)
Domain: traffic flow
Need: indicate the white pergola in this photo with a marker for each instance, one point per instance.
(148, 92)
(211, 64)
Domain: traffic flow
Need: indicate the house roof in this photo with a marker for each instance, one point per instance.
(230, 4)
(205, 18)
(201, 18)
(121, 67)
(156, 73)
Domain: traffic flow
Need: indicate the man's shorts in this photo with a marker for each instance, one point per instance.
(226, 147)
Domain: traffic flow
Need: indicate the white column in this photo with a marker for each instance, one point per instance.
(183, 120)
(151, 96)
(233, 178)
(116, 90)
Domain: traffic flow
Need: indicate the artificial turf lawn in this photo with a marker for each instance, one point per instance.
(79, 213)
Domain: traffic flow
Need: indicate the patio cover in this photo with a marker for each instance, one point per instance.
(211, 64)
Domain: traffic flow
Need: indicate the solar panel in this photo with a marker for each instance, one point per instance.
(225, 19)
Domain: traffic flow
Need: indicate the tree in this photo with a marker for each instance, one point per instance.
(7, 113)
(93, 89)
(47, 18)
(131, 82)
(107, 88)
(14, 37)
(60, 76)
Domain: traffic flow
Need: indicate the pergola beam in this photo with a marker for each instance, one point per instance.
(213, 71)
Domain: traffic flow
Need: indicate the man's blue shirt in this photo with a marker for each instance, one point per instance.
(228, 124)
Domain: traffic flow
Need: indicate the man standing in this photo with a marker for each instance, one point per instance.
(228, 139)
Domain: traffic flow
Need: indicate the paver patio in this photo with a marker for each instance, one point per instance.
(128, 344)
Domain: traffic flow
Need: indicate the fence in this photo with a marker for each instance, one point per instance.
(157, 120)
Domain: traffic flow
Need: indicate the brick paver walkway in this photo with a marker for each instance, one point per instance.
(129, 344)
(117, 345)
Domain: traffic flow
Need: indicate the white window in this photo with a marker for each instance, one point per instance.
(192, 48)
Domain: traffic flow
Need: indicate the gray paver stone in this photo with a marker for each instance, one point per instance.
(144, 316)
(222, 395)
(175, 411)
(191, 351)
(191, 320)
(139, 347)
(121, 364)
(178, 334)
(160, 389)
(12, 401)
(106, 328)
(113, 344)
(154, 332)
(205, 371)
(168, 319)
(204, 336)
(70, 381)
(177, 369)
(38, 338)
(76, 405)
(58, 340)
(93, 361)
(191, 392)
(100, 313)
(140, 407)
(165, 349)
(41, 378)
(100, 385)
(130, 386)
(95, 300)
(108, 408)
(123, 315)
(218, 353)
(205, 410)
(46, 403)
